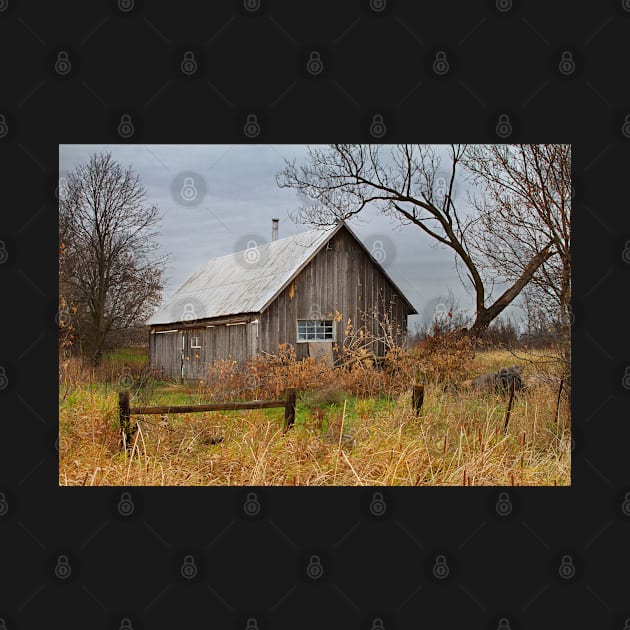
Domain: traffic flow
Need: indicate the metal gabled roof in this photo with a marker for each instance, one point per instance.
(242, 282)
(248, 281)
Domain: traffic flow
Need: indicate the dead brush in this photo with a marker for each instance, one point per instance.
(316, 420)
(445, 357)
(369, 374)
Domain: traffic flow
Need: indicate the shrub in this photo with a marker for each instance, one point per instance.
(445, 357)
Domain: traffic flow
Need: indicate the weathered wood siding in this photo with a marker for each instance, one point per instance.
(222, 340)
(165, 353)
(340, 278)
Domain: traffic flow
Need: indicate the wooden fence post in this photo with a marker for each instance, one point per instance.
(124, 414)
(417, 398)
(289, 410)
(509, 407)
(558, 402)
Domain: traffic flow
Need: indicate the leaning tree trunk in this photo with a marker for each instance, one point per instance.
(485, 315)
(480, 326)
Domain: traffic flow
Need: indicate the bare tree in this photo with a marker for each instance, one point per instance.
(343, 179)
(526, 204)
(109, 274)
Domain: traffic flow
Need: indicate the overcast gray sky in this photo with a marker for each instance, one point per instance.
(214, 199)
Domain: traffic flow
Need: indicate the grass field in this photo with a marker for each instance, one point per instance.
(338, 438)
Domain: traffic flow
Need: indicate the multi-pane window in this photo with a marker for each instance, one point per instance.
(315, 330)
(195, 342)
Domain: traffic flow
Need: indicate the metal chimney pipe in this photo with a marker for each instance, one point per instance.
(274, 229)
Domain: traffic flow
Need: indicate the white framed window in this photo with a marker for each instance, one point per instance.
(195, 342)
(315, 330)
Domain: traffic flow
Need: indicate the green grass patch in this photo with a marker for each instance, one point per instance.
(127, 355)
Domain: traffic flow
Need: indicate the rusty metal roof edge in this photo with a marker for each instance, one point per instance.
(204, 321)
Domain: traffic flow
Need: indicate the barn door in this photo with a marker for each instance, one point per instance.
(252, 339)
(193, 366)
(182, 355)
(321, 350)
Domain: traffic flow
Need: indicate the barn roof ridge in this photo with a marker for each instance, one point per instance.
(284, 238)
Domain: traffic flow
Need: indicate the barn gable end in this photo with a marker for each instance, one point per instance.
(340, 278)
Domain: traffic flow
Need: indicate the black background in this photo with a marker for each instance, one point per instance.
(377, 59)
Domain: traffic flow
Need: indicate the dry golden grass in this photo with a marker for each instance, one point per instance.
(338, 439)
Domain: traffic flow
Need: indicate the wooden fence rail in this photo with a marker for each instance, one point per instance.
(125, 411)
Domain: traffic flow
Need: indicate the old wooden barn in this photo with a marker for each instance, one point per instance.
(287, 291)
